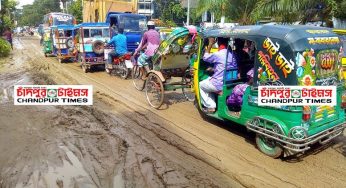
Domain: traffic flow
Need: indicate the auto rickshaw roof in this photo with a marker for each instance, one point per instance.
(64, 27)
(340, 31)
(93, 24)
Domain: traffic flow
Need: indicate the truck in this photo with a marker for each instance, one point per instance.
(134, 26)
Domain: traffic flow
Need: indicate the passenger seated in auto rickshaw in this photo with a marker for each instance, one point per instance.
(242, 58)
(213, 84)
(235, 100)
(119, 42)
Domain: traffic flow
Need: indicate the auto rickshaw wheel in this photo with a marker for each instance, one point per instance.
(45, 55)
(188, 87)
(85, 68)
(154, 90)
(268, 146)
(124, 71)
(137, 80)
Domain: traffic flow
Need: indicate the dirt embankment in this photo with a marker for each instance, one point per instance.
(121, 142)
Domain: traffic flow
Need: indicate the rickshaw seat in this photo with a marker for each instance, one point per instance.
(174, 61)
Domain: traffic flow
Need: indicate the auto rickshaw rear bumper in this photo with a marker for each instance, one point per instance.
(299, 145)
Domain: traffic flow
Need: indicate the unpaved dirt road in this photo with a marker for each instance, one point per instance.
(121, 142)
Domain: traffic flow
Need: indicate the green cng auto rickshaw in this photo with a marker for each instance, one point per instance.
(278, 56)
(47, 41)
(342, 33)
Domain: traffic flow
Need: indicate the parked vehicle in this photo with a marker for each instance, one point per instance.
(91, 38)
(310, 57)
(64, 42)
(133, 24)
(172, 59)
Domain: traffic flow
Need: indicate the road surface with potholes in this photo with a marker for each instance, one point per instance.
(121, 142)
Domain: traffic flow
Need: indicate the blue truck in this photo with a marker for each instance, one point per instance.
(134, 25)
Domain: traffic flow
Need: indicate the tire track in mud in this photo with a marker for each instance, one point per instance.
(186, 150)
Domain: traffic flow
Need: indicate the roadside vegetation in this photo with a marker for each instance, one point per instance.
(5, 48)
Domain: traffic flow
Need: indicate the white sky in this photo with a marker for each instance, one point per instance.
(24, 2)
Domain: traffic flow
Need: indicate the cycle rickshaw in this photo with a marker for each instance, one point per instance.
(282, 56)
(172, 59)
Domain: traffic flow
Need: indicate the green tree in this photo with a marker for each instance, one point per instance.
(8, 8)
(218, 7)
(340, 10)
(76, 9)
(293, 10)
(32, 15)
(170, 11)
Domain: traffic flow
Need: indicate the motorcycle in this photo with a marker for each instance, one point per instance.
(120, 66)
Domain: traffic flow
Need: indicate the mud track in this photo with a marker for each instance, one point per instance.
(121, 142)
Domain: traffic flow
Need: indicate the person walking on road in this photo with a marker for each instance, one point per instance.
(8, 35)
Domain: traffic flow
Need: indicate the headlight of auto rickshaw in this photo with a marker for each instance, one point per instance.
(306, 113)
(343, 99)
(298, 133)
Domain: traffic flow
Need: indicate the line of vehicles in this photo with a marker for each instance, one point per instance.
(279, 55)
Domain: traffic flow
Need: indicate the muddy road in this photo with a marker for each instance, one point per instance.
(121, 142)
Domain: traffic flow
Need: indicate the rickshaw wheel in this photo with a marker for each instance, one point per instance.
(154, 90)
(137, 80)
(188, 91)
(268, 146)
(124, 72)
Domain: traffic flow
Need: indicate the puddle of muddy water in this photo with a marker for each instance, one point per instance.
(118, 181)
(71, 174)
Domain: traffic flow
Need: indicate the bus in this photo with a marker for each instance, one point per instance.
(58, 18)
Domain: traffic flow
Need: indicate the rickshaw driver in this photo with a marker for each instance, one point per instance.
(150, 41)
(212, 85)
(120, 47)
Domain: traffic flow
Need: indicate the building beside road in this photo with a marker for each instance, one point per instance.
(96, 10)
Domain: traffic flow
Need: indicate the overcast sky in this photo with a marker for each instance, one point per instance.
(24, 2)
